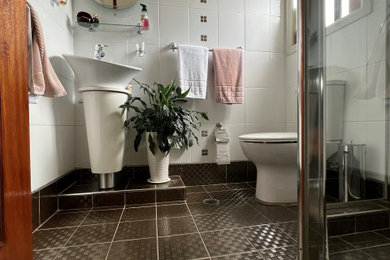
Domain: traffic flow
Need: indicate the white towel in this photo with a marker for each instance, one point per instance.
(193, 68)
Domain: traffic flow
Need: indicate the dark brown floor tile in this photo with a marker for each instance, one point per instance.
(93, 234)
(226, 242)
(216, 187)
(88, 252)
(379, 253)
(239, 186)
(197, 197)
(194, 189)
(352, 255)
(111, 199)
(244, 215)
(233, 194)
(65, 220)
(181, 247)
(49, 254)
(134, 250)
(243, 256)
(75, 202)
(285, 253)
(213, 222)
(366, 239)
(274, 213)
(172, 211)
(139, 213)
(140, 197)
(176, 226)
(170, 195)
(53, 238)
(267, 236)
(384, 232)
(103, 216)
(290, 228)
(136, 230)
(337, 245)
(202, 209)
(175, 182)
(136, 185)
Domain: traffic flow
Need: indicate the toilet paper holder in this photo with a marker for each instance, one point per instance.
(221, 135)
(219, 126)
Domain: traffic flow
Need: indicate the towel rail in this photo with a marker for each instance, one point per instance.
(173, 47)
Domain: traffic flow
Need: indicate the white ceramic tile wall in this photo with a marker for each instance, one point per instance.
(52, 121)
(356, 55)
(257, 26)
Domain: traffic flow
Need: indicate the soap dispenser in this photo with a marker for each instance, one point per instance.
(144, 22)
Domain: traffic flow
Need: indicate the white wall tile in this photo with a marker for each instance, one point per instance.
(277, 34)
(231, 6)
(81, 150)
(210, 4)
(278, 70)
(277, 7)
(376, 150)
(36, 157)
(173, 25)
(150, 63)
(258, 38)
(257, 69)
(183, 3)
(198, 28)
(258, 7)
(231, 30)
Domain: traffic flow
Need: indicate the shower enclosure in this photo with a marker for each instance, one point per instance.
(343, 127)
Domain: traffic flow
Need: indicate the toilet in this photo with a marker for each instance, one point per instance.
(275, 154)
(275, 157)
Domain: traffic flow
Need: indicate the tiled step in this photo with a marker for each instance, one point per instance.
(351, 217)
(87, 195)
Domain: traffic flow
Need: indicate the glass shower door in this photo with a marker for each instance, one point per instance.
(344, 129)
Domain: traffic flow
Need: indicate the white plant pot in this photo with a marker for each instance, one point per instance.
(158, 163)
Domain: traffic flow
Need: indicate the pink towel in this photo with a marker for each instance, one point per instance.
(44, 80)
(229, 76)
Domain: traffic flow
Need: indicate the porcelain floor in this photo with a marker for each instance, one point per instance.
(237, 228)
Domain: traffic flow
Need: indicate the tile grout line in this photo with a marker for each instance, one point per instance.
(200, 235)
(156, 215)
(116, 230)
(62, 248)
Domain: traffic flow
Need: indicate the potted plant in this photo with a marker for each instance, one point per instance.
(165, 123)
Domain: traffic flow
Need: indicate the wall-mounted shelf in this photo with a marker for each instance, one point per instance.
(93, 27)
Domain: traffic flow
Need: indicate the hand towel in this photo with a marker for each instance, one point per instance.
(43, 79)
(193, 69)
(228, 76)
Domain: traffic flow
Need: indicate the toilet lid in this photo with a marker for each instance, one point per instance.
(278, 137)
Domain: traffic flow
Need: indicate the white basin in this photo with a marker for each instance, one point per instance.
(103, 87)
(91, 72)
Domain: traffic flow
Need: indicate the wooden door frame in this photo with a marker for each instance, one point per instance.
(14, 132)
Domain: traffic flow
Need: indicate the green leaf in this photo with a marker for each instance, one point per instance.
(183, 95)
(152, 145)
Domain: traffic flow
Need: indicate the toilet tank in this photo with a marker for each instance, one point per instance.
(334, 104)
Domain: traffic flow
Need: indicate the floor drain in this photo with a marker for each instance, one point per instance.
(211, 202)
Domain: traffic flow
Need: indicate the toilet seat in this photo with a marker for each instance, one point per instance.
(276, 137)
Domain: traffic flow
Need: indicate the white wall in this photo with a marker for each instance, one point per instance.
(355, 54)
(257, 26)
(52, 120)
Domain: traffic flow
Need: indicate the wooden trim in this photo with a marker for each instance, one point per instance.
(14, 131)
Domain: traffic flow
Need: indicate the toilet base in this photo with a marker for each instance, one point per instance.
(277, 185)
(276, 204)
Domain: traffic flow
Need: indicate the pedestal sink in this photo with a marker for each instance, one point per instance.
(103, 88)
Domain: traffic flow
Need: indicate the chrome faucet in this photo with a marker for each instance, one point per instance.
(99, 53)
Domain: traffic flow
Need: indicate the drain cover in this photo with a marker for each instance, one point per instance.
(211, 202)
